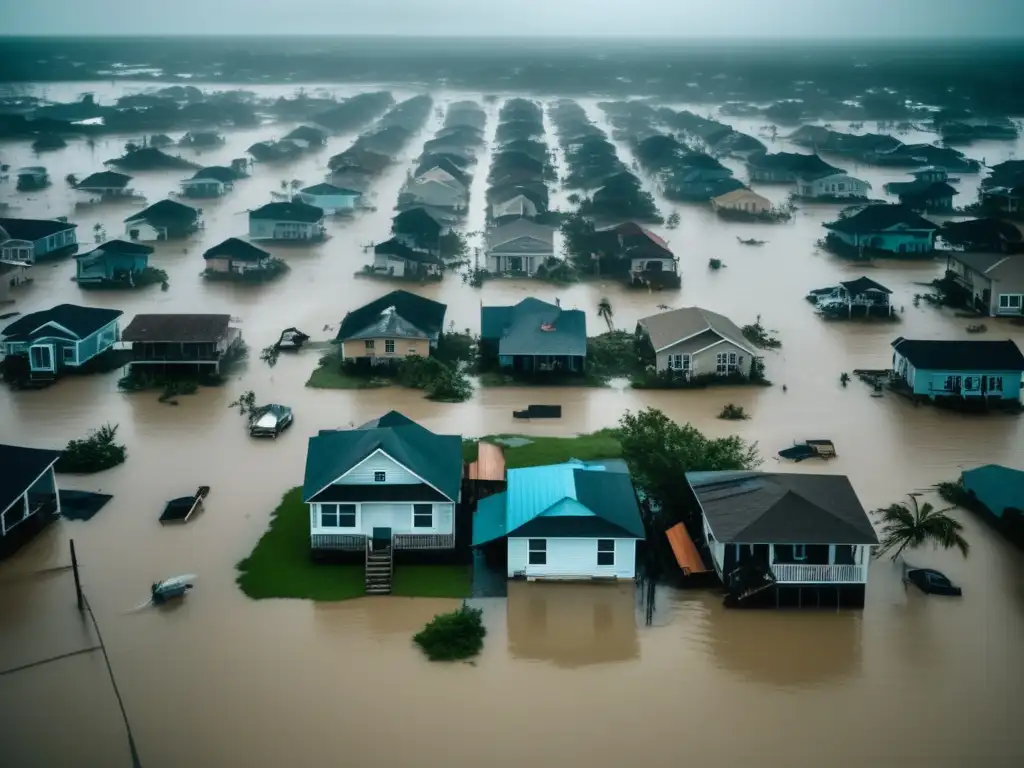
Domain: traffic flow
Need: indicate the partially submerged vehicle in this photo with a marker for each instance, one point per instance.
(179, 510)
(930, 581)
(270, 420)
(169, 589)
(809, 449)
(292, 338)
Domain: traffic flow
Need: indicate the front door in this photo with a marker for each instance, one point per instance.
(381, 539)
(40, 357)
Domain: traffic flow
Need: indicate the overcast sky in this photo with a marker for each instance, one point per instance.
(862, 19)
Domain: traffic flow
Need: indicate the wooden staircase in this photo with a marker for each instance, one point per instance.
(379, 568)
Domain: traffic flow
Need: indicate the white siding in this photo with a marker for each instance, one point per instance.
(394, 473)
(397, 517)
(572, 559)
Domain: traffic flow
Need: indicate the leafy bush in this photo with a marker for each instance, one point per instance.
(759, 336)
(451, 636)
(715, 263)
(439, 381)
(94, 453)
(733, 413)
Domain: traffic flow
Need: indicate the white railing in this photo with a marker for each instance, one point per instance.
(796, 573)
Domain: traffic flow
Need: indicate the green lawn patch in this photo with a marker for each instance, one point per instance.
(330, 377)
(280, 565)
(551, 450)
(431, 581)
(499, 379)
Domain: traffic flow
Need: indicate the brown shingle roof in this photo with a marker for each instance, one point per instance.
(176, 328)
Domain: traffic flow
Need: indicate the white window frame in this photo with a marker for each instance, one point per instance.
(335, 509)
(1006, 300)
(538, 547)
(389, 346)
(799, 551)
(380, 476)
(606, 551)
(418, 511)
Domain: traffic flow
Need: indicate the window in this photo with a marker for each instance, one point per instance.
(721, 362)
(380, 476)
(679, 362)
(538, 552)
(389, 346)
(69, 354)
(995, 383)
(1010, 300)
(368, 344)
(422, 515)
(739, 362)
(842, 186)
(799, 552)
(606, 551)
(337, 515)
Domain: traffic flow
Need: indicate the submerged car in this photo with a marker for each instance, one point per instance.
(931, 582)
(270, 420)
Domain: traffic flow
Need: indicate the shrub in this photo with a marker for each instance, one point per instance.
(759, 336)
(451, 636)
(94, 453)
(715, 263)
(733, 413)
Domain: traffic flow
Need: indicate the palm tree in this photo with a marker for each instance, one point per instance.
(604, 311)
(909, 526)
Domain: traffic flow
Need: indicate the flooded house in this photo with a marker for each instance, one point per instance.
(432, 190)
(387, 490)
(237, 257)
(163, 220)
(287, 221)
(931, 173)
(330, 198)
(26, 241)
(201, 140)
(983, 235)
(172, 342)
(513, 204)
(395, 258)
(742, 201)
(62, 338)
(519, 247)
(998, 489)
(787, 167)
(862, 294)
(891, 229)
(832, 186)
(1003, 200)
(417, 228)
(389, 329)
(994, 282)
(29, 499)
(534, 337)
(633, 252)
(922, 196)
(785, 539)
(212, 181)
(692, 341)
(114, 263)
(307, 137)
(443, 169)
(32, 178)
(563, 521)
(933, 369)
(106, 185)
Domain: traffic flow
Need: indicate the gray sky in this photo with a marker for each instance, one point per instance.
(863, 19)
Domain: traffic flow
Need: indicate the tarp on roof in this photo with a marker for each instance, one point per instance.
(685, 550)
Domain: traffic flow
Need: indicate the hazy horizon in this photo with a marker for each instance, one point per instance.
(725, 20)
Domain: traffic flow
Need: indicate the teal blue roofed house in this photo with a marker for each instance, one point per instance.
(535, 337)
(1000, 489)
(116, 262)
(564, 521)
(964, 369)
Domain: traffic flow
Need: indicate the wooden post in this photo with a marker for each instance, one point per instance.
(74, 570)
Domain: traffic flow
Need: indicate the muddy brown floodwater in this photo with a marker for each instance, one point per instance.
(569, 673)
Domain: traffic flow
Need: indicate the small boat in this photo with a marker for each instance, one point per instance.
(270, 420)
(169, 589)
(930, 581)
(751, 241)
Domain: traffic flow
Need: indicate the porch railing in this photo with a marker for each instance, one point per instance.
(424, 540)
(343, 541)
(798, 573)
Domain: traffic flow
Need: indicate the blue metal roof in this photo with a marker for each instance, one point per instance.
(489, 519)
(531, 490)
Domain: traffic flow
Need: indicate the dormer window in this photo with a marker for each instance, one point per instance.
(380, 477)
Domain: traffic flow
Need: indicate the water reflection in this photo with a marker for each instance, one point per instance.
(572, 625)
(788, 649)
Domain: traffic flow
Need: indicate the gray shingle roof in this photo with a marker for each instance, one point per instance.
(668, 328)
(176, 328)
(781, 508)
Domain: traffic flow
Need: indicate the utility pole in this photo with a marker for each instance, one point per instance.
(74, 570)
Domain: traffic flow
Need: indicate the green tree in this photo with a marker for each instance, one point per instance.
(660, 452)
(909, 526)
(605, 312)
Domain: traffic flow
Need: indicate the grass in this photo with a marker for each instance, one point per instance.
(552, 450)
(329, 377)
(499, 379)
(280, 564)
(431, 581)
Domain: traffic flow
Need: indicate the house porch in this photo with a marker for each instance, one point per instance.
(31, 512)
(542, 364)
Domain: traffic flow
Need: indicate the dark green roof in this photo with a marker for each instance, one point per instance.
(610, 496)
(435, 458)
(425, 314)
(534, 327)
